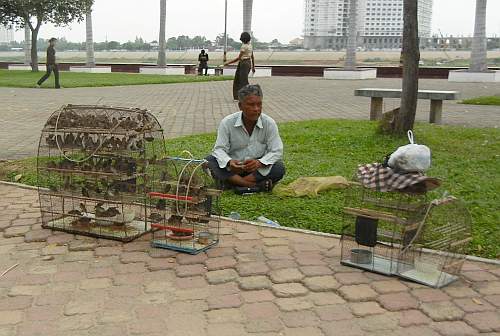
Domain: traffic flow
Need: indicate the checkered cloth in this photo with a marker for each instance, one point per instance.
(377, 176)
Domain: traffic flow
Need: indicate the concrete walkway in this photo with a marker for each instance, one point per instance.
(258, 281)
(198, 107)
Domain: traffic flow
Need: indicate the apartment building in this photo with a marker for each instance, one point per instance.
(380, 23)
(6, 35)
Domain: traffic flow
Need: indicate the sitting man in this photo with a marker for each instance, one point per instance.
(248, 152)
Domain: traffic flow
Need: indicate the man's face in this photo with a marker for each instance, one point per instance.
(53, 43)
(251, 107)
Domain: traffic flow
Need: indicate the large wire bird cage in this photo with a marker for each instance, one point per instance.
(94, 160)
(376, 225)
(405, 234)
(184, 206)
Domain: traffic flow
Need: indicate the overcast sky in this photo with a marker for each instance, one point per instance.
(123, 20)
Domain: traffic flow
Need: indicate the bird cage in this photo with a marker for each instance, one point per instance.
(184, 206)
(437, 252)
(377, 225)
(94, 159)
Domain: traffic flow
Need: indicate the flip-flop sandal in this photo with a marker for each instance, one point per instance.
(246, 190)
(266, 185)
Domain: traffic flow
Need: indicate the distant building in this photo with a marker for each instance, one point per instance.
(6, 35)
(380, 23)
(297, 42)
(456, 43)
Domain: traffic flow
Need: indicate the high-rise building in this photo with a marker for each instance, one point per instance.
(380, 23)
(6, 35)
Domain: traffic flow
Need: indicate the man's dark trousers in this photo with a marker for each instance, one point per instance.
(51, 68)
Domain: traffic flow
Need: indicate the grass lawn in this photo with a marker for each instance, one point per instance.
(28, 79)
(484, 100)
(467, 159)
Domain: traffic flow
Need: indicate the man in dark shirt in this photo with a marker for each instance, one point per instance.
(51, 64)
(203, 59)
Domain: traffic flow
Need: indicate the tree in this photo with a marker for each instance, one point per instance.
(478, 54)
(162, 57)
(352, 38)
(89, 41)
(405, 118)
(27, 45)
(247, 15)
(33, 14)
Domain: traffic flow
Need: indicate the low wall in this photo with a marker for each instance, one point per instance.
(277, 70)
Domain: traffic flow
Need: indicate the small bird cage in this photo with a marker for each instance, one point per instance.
(94, 160)
(377, 225)
(436, 254)
(184, 206)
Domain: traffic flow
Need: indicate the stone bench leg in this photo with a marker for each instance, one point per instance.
(435, 116)
(376, 108)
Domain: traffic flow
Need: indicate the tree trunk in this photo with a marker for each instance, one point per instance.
(34, 51)
(405, 119)
(89, 42)
(224, 58)
(478, 54)
(162, 58)
(27, 45)
(350, 56)
(247, 16)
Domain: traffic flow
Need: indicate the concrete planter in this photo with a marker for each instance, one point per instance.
(336, 73)
(163, 70)
(464, 76)
(259, 72)
(263, 72)
(96, 69)
(41, 67)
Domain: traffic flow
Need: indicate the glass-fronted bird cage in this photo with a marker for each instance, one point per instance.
(377, 225)
(184, 206)
(94, 161)
(436, 254)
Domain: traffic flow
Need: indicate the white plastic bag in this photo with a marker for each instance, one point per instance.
(411, 158)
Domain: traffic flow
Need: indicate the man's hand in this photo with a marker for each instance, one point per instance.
(252, 165)
(253, 70)
(235, 167)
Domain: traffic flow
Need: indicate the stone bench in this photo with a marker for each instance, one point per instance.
(436, 97)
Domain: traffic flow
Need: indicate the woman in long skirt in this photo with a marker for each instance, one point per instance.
(246, 63)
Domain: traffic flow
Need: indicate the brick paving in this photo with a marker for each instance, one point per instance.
(194, 108)
(253, 283)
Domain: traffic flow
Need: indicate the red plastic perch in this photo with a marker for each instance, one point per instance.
(170, 196)
(172, 228)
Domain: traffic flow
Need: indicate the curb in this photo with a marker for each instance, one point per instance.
(332, 235)
(20, 185)
(284, 228)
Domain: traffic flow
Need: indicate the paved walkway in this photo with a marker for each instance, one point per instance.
(197, 108)
(259, 281)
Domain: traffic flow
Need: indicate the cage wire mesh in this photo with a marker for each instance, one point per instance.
(94, 159)
(184, 205)
(376, 225)
(437, 253)
(405, 234)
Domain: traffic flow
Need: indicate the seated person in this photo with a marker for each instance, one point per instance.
(248, 152)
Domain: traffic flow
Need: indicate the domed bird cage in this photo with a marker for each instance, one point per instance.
(436, 254)
(184, 206)
(94, 160)
(377, 225)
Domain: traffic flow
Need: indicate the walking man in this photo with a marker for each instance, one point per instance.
(51, 64)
